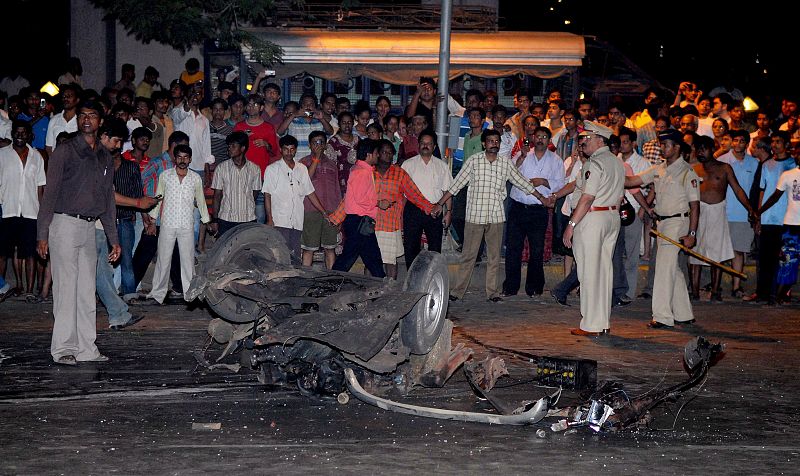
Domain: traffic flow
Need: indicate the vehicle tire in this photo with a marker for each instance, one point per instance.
(250, 245)
(420, 328)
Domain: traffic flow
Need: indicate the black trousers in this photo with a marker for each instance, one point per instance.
(770, 242)
(225, 226)
(620, 283)
(355, 245)
(559, 223)
(415, 222)
(144, 254)
(525, 221)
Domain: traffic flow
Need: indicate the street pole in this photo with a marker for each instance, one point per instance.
(444, 74)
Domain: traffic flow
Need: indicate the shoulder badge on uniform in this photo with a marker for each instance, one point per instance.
(586, 175)
(694, 183)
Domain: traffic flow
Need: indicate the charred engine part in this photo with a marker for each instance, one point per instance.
(314, 368)
(610, 408)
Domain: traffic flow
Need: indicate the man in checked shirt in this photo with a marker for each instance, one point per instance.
(487, 174)
(393, 185)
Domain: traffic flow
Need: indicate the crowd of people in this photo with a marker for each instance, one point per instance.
(96, 186)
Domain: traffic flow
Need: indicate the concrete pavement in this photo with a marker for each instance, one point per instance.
(134, 414)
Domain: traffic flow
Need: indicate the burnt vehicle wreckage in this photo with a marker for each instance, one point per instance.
(335, 334)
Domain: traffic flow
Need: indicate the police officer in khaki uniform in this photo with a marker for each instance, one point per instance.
(595, 224)
(677, 210)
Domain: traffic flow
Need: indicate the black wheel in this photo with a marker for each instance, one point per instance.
(247, 246)
(420, 328)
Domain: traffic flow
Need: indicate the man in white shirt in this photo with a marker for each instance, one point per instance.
(182, 191)
(5, 130)
(287, 183)
(507, 138)
(13, 83)
(432, 176)
(190, 120)
(22, 180)
(788, 184)
(633, 232)
(67, 120)
(528, 217)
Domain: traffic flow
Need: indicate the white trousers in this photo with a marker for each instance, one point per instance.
(73, 260)
(166, 244)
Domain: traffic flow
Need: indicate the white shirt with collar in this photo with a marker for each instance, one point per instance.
(5, 128)
(196, 126)
(287, 187)
(19, 186)
(638, 164)
(432, 179)
(549, 167)
(57, 125)
(176, 209)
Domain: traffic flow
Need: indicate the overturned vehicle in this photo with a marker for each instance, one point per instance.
(331, 333)
(301, 326)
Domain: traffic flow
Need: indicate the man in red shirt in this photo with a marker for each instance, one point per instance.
(140, 140)
(263, 149)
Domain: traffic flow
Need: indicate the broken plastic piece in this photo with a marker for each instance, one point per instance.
(206, 426)
(534, 415)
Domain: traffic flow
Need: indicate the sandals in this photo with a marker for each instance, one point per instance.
(34, 299)
(737, 293)
(66, 360)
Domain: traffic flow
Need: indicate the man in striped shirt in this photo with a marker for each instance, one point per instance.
(485, 216)
(236, 184)
(393, 185)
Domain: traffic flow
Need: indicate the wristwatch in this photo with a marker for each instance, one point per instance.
(572, 224)
(692, 233)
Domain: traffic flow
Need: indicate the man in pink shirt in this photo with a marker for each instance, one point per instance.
(357, 213)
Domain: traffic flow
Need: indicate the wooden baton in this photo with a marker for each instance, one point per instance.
(697, 255)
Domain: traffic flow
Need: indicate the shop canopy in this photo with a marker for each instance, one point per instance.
(401, 57)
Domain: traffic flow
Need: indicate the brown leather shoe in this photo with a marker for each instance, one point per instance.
(581, 332)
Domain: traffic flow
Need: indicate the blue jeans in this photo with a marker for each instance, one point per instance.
(620, 284)
(567, 284)
(202, 175)
(127, 237)
(104, 282)
(261, 214)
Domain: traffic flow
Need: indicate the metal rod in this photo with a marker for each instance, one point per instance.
(444, 74)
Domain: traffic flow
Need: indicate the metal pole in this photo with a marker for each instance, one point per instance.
(444, 74)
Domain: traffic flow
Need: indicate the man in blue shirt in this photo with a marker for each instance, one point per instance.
(770, 242)
(744, 167)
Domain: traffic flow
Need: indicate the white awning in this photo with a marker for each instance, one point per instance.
(401, 57)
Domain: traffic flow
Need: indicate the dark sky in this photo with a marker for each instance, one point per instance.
(700, 41)
(36, 38)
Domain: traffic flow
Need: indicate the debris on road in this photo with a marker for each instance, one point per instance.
(206, 426)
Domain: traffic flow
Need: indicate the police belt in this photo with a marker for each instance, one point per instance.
(677, 215)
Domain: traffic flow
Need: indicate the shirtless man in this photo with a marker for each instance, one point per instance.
(713, 236)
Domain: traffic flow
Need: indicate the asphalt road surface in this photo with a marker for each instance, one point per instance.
(151, 410)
